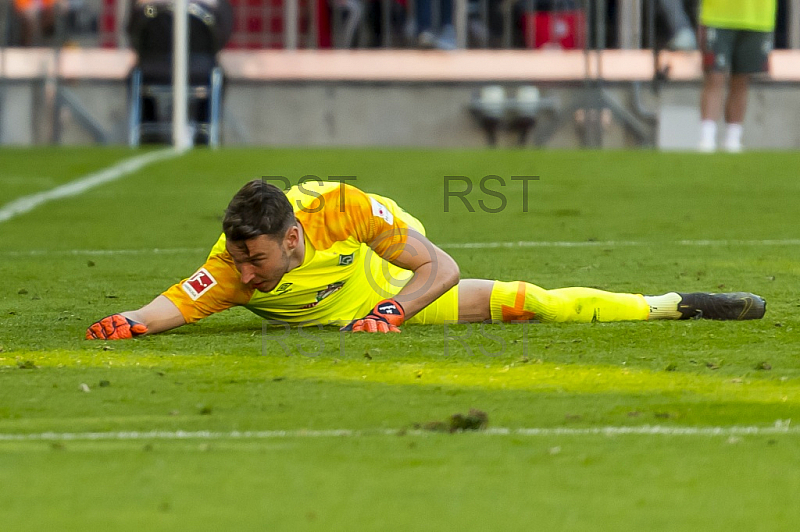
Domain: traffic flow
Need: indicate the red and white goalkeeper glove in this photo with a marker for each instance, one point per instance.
(385, 317)
(115, 327)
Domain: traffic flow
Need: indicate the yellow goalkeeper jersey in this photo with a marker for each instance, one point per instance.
(340, 279)
(754, 15)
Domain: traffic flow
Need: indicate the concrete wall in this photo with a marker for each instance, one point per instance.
(17, 117)
(772, 120)
(380, 115)
(399, 114)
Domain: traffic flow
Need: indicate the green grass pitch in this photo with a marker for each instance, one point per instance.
(225, 426)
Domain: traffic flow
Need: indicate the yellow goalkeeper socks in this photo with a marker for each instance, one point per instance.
(521, 301)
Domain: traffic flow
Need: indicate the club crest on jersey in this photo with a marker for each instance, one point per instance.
(325, 292)
(346, 260)
(330, 289)
(199, 283)
(380, 210)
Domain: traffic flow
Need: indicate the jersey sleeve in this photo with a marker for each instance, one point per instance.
(215, 287)
(344, 212)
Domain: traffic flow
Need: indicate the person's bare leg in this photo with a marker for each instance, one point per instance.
(518, 301)
(735, 108)
(711, 109)
(484, 300)
(736, 104)
(474, 300)
(711, 97)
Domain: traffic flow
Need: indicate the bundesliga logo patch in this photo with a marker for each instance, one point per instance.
(346, 260)
(380, 210)
(198, 284)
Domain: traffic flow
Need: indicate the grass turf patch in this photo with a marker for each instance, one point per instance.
(628, 214)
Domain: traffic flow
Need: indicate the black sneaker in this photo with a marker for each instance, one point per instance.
(730, 306)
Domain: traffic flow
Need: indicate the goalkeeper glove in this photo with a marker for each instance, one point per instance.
(385, 317)
(115, 327)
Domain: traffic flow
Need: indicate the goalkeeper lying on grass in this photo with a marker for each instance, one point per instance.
(329, 253)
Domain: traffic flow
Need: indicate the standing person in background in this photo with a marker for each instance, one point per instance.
(37, 18)
(736, 37)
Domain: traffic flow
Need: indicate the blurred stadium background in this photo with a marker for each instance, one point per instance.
(554, 73)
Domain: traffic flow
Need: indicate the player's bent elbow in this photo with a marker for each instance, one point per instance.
(456, 277)
(452, 274)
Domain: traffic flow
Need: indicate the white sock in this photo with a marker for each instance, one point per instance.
(733, 137)
(664, 307)
(708, 135)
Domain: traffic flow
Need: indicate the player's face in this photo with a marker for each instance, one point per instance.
(262, 261)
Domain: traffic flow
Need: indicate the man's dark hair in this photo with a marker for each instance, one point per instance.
(258, 208)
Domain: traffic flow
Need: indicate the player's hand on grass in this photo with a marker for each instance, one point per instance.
(385, 317)
(115, 327)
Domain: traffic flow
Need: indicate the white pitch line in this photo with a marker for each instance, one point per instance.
(82, 184)
(781, 427)
(99, 252)
(618, 243)
(463, 245)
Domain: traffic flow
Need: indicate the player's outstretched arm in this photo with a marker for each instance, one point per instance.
(159, 315)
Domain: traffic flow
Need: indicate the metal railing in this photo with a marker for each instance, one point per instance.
(456, 24)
